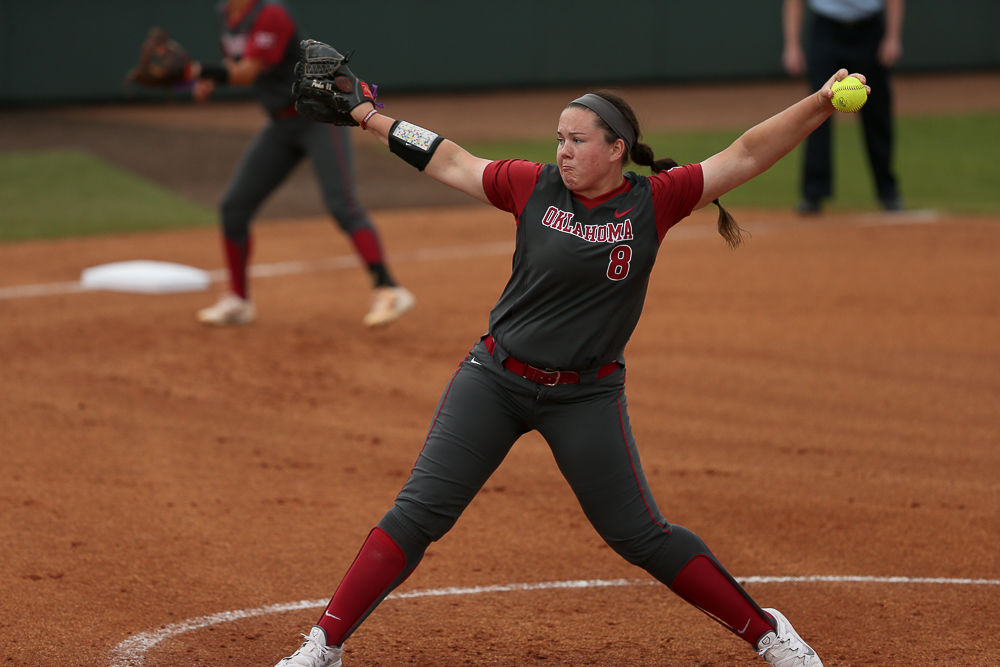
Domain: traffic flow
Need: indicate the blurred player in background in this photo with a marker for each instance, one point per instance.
(863, 36)
(261, 46)
(587, 236)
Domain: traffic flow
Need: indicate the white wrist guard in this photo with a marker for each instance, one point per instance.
(413, 143)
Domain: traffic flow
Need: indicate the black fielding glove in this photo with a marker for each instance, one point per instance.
(325, 88)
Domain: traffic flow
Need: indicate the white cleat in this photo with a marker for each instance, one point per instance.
(314, 652)
(784, 648)
(228, 311)
(388, 305)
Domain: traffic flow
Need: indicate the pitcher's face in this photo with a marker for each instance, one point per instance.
(584, 156)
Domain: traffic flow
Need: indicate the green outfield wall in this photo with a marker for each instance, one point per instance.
(57, 51)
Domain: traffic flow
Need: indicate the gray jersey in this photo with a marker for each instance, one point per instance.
(581, 268)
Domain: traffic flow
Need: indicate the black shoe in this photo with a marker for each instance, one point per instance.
(892, 204)
(808, 206)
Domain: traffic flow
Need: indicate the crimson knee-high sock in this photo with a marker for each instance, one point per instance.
(369, 249)
(709, 588)
(377, 566)
(237, 259)
(368, 246)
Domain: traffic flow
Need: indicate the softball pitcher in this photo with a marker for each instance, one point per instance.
(261, 46)
(587, 235)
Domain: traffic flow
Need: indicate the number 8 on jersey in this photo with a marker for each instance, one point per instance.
(618, 266)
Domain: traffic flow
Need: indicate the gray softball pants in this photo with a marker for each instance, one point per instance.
(272, 156)
(484, 410)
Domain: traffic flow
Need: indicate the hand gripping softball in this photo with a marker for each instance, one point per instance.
(325, 88)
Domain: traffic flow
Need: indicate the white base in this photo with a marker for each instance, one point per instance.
(145, 276)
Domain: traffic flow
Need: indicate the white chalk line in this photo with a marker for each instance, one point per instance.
(40, 289)
(294, 267)
(298, 267)
(132, 651)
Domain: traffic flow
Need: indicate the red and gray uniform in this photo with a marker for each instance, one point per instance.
(267, 33)
(553, 362)
(581, 267)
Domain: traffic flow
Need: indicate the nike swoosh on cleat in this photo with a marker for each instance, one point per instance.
(618, 215)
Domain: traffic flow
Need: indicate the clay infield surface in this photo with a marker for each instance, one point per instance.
(820, 406)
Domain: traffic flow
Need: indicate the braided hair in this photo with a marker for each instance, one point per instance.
(642, 154)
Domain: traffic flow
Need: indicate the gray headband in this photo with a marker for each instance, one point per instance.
(610, 114)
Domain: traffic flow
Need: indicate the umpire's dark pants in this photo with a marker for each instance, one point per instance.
(830, 46)
(485, 409)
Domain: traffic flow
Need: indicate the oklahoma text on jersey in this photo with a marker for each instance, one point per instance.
(611, 232)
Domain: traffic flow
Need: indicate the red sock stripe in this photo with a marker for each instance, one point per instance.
(376, 567)
(237, 258)
(366, 242)
(701, 583)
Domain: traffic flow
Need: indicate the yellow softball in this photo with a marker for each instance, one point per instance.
(849, 94)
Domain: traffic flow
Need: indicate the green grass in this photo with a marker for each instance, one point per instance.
(946, 163)
(943, 162)
(70, 193)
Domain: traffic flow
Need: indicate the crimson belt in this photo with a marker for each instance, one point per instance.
(546, 376)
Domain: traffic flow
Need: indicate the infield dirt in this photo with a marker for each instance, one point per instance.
(820, 402)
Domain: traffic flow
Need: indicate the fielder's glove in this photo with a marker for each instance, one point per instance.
(325, 88)
(162, 61)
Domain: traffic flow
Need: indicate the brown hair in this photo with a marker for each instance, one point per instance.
(642, 154)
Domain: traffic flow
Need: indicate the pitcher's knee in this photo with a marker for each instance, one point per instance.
(661, 553)
(415, 524)
(636, 550)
